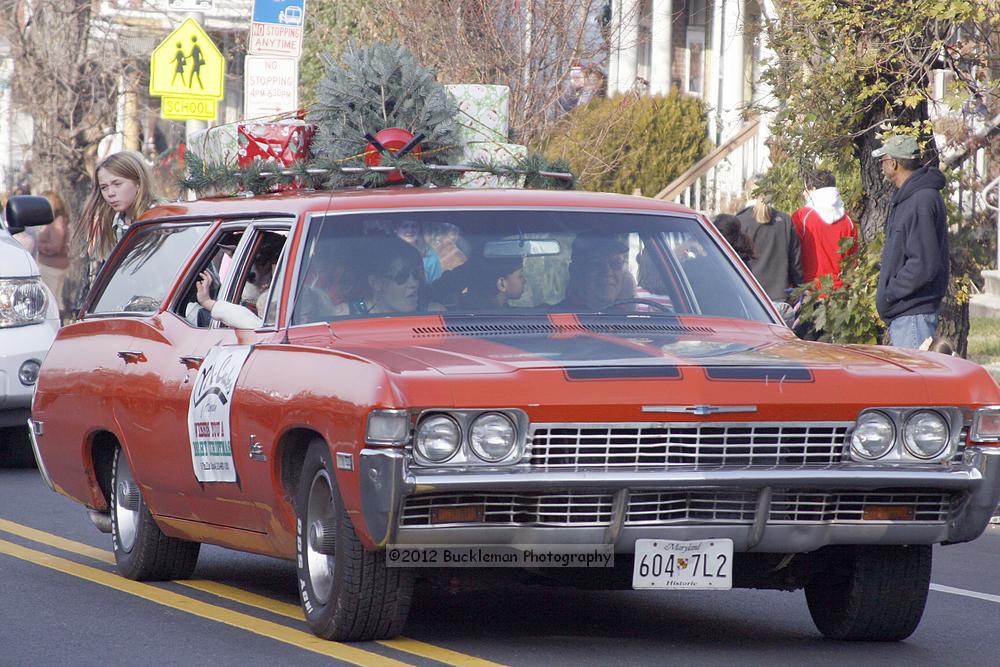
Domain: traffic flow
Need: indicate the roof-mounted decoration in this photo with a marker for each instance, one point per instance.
(380, 118)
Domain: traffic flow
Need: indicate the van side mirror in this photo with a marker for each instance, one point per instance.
(27, 211)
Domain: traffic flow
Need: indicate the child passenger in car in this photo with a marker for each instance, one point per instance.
(494, 281)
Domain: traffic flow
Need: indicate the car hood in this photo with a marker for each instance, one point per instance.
(641, 347)
(580, 368)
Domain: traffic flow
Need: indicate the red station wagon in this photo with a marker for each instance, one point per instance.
(372, 377)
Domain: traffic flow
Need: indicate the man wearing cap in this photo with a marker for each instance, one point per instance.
(597, 273)
(913, 277)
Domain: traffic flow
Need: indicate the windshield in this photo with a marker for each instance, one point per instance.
(512, 262)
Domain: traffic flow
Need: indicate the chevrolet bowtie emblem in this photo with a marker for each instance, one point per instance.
(699, 409)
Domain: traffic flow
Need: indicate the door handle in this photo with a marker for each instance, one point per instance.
(132, 356)
(191, 363)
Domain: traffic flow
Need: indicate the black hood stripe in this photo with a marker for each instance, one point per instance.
(759, 373)
(620, 372)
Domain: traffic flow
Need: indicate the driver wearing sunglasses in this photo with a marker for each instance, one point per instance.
(396, 279)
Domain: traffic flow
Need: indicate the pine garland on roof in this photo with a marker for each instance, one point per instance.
(373, 88)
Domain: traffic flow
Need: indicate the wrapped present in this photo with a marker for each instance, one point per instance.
(483, 111)
(218, 145)
(282, 142)
(507, 155)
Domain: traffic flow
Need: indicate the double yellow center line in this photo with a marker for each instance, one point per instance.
(276, 631)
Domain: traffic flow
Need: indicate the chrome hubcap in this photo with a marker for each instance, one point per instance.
(127, 501)
(321, 524)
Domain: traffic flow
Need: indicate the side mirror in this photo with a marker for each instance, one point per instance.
(27, 211)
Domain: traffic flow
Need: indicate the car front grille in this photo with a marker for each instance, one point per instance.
(664, 508)
(698, 445)
(519, 509)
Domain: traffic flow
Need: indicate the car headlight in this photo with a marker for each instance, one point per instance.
(23, 301)
(438, 438)
(925, 434)
(873, 436)
(492, 437)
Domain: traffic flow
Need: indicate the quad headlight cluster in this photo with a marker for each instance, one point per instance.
(906, 434)
(470, 437)
(467, 437)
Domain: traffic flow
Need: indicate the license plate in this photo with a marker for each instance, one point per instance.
(663, 564)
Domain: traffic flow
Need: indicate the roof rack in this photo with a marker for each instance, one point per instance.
(459, 168)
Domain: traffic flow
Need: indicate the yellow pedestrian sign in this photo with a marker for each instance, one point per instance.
(187, 65)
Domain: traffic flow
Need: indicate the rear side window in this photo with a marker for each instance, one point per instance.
(146, 272)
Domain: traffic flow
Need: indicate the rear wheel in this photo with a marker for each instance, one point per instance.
(142, 551)
(871, 593)
(347, 592)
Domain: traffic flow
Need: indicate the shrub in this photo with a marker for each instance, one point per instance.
(619, 144)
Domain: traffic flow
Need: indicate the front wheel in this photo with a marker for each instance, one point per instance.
(871, 593)
(348, 593)
(142, 551)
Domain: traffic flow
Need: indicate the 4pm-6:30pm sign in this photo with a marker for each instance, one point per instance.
(270, 86)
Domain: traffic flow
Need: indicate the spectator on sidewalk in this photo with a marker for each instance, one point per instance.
(729, 226)
(822, 224)
(778, 264)
(53, 249)
(913, 278)
(122, 190)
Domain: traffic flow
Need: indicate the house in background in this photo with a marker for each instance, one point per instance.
(15, 126)
(710, 49)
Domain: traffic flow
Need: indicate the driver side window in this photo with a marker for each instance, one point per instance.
(219, 264)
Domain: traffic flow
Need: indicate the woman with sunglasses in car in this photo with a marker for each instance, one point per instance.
(396, 277)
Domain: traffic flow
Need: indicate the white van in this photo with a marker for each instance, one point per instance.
(29, 320)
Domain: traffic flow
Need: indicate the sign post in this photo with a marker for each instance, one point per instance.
(187, 71)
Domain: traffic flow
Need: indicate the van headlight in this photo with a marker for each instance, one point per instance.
(925, 434)
(23, 301)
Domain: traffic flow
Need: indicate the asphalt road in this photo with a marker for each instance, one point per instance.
(62, 604)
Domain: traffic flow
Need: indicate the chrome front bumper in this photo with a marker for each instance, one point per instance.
(386, 482)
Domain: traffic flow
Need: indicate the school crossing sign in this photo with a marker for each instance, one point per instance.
(188, 72)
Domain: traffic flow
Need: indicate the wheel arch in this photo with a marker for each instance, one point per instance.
(101, 448)
(290, 454)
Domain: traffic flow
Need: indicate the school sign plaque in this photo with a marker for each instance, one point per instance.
(187, 71)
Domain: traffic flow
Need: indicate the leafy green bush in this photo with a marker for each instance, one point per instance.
(619, 144)
(846, 314)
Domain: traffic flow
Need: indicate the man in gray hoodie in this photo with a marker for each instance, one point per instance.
(913, 277)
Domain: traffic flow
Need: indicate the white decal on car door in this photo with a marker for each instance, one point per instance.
(208, 413)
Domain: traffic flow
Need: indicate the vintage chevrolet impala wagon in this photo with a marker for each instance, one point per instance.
(413, 366)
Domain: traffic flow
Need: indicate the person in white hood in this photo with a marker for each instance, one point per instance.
(822, 224)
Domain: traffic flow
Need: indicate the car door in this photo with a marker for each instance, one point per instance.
(177, 341)
(130, 292)
(221, 458)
